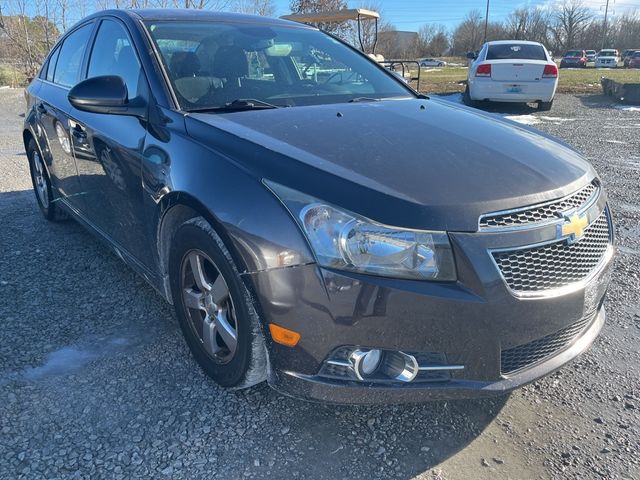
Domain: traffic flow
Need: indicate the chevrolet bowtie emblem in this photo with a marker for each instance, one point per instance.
(573, 227)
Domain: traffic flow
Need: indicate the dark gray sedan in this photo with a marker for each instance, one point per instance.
(315, 222)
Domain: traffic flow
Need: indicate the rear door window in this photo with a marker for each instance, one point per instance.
(67, 72)
(516, 51)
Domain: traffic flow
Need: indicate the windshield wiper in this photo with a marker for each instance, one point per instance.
(363, 99)
(237, 105)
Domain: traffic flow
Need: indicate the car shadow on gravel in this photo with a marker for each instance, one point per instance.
(507, 108)
(401, 441)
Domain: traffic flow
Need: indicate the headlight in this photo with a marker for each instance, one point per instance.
(347, 241)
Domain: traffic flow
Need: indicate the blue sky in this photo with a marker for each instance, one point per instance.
(412, 14)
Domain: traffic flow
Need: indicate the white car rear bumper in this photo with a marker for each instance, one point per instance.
(512, 91)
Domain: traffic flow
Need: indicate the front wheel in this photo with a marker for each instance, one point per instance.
(545, 106)
(217, 314)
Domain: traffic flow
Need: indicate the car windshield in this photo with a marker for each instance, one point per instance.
(607, 53)
(216, 65)
(636, 55)
(573, 53)
(515, 51)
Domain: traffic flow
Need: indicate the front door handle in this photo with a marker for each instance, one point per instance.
(79, 133)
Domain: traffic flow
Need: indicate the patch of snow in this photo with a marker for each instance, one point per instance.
(556, 119)
(535, 120)
(61, 361)
(626, 108)
(524, 119)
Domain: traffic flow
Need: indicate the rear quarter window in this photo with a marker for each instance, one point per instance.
(516, 51)
(51, 65)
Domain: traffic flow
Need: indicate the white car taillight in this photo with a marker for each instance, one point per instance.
(483, 70)
(550, 71)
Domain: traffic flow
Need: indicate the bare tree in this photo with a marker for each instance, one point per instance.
(571, 19)
(29, 39)
(315, 6)
(469, 34)
(266, 8)
(434, 40)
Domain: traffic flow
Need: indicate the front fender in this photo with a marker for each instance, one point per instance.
(179, 170)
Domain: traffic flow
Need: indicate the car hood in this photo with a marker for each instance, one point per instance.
(412, 163)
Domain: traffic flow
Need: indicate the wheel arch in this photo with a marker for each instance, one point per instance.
(174, 209)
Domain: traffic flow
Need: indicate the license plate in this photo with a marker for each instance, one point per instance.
(514, 89)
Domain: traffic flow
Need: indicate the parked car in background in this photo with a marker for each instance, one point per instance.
(608, 58)
(591, 56)
(512, 71)
(634, 61)
(627, 54)
(432, 62)
(574, 59)
(295, 246)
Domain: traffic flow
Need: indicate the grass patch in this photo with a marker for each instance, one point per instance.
(449, 79)
(11, 76)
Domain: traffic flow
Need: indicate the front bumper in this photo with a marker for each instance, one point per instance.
(314, 388)
(471, 322)
(513, 90)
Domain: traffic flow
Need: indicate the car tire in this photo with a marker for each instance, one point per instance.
(467, 100)
(545, 106)
(42, 185)
(212, 304)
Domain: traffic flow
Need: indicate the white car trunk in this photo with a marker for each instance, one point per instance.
(514, 70)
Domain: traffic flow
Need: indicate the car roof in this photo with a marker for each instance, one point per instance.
(168, 14)
(509, 42)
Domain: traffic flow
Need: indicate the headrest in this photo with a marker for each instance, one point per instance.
(230, 62)
(184, 64)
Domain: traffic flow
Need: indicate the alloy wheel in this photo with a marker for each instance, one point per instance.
(209, 306)
(39, 180)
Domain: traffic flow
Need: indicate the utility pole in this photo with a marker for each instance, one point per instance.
(486, 21)
(604, 25)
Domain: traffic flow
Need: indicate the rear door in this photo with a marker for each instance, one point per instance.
(52, 107)
(108, 148)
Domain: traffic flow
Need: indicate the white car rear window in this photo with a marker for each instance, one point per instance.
(516, 51)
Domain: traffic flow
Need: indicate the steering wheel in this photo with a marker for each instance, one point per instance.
(307, 83)
(335, 75)
(349, 77)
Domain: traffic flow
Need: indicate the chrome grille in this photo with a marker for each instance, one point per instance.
(539, 213)
(519, 357)
(557, 264)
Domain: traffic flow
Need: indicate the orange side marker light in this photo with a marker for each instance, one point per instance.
(283, 335)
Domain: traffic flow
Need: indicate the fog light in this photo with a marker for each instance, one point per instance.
(365, 362)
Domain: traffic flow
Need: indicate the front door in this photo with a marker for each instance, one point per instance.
(108, 148)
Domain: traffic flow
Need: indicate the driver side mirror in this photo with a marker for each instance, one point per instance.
(105, 94)
(472, 55)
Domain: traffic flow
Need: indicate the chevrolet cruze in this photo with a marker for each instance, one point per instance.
(315, 222)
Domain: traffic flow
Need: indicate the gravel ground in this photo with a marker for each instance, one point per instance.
(97, 382)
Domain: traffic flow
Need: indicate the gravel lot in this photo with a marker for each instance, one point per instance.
(97, 382)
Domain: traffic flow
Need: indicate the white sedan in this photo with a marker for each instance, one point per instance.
(512, 71)
(432, 62)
